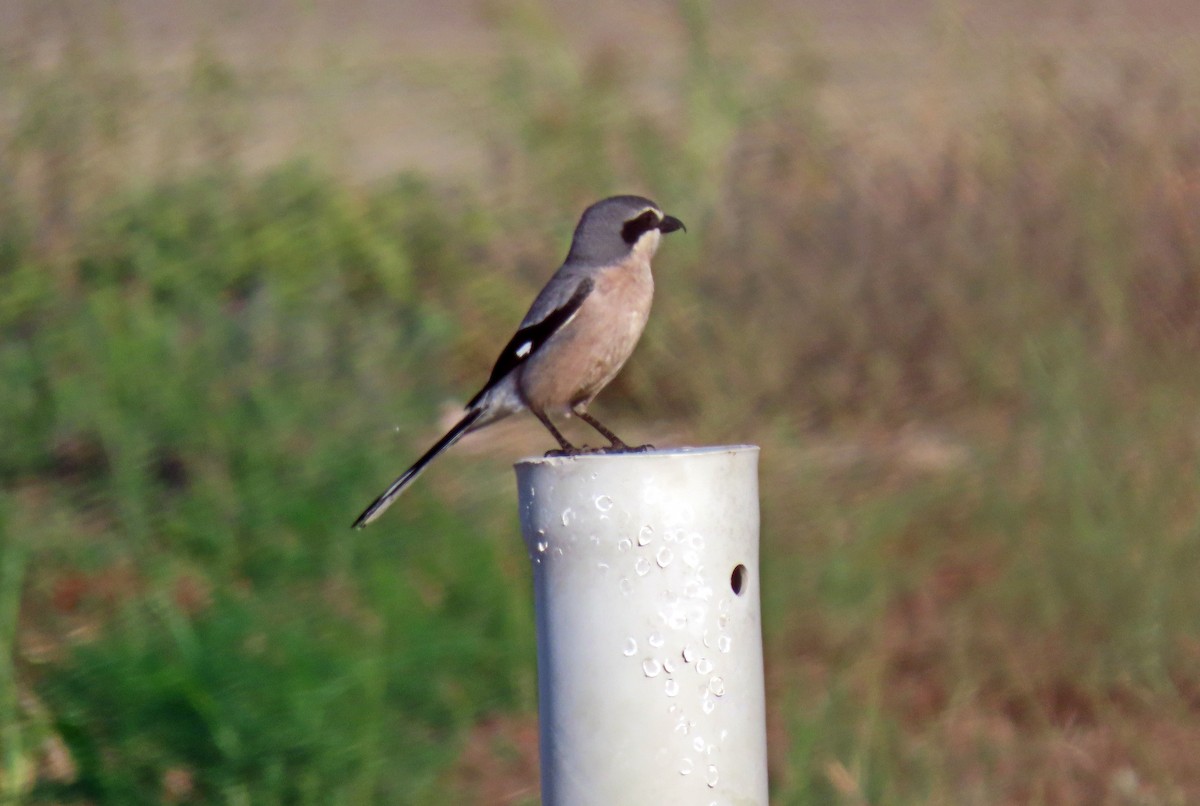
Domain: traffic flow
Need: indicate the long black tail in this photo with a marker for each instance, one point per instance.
(398, 486)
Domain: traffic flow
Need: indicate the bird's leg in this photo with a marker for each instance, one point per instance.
(567, 448)
(617, 445)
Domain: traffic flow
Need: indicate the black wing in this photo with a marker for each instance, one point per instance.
(526, 341)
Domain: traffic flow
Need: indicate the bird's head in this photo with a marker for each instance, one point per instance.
(613, 228)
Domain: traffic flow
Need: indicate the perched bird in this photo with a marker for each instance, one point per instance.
(576, 336)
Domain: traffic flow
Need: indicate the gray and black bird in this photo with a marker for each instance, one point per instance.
(577, 335)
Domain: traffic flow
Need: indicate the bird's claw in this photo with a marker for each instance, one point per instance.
(623, 448)
(601, 451)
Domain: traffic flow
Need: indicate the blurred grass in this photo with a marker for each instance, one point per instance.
(972, 369)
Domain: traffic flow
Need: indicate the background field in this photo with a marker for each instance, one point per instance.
(943, 264)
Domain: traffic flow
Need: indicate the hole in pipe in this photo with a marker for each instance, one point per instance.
(737, 580)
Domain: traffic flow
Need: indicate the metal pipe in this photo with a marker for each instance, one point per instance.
(646, 588)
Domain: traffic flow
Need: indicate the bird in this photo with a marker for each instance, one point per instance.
(581, 328)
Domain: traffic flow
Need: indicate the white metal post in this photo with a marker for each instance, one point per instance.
(646, 586)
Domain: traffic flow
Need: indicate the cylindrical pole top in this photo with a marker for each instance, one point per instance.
(650, 673)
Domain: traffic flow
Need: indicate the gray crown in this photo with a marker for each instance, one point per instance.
(600, 237)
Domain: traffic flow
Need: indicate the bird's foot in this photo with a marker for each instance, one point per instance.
(587, 450)
(622, 448)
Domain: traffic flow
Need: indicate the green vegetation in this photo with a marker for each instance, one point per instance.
(973, 372)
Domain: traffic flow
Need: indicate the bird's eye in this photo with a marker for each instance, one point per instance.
(637, 227)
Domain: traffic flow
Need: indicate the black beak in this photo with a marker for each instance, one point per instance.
(670, 223)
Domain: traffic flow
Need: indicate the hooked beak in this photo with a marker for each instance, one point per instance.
(670, 223)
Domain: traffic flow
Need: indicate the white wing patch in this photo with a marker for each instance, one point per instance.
(531, 337)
